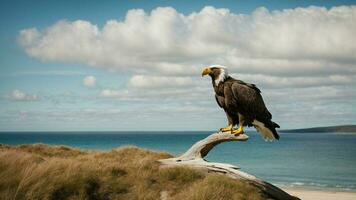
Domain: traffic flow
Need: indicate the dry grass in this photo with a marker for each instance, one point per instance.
(46, 172)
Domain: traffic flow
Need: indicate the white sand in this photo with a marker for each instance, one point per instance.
(306, 194)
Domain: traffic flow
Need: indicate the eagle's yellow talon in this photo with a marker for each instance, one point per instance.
(238, 131)
(228, 128)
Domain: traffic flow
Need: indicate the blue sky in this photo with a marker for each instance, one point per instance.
(135, 65)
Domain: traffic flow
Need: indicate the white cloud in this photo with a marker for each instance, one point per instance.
(159, 95)
(293, 41)
(89, 81)
(29, 37)
(50, 73)
(110, 93)
(267, 81)
(143, 81)
(161, 88)
(18, 95)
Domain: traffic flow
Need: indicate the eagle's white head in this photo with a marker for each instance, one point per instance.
(218, 73)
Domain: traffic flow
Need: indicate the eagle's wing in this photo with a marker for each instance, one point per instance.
(251, 105)
(249, 99)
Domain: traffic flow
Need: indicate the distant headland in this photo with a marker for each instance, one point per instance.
(336, 129)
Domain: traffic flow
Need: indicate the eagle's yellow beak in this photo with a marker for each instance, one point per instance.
(206, 71)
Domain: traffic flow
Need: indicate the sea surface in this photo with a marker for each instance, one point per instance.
(318, 160)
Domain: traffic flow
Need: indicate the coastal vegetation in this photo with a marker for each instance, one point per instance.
(40, 171)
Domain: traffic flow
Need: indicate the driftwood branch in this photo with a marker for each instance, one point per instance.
(194, 158)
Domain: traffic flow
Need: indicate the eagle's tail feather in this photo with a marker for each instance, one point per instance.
(275, 125)
(267, 130)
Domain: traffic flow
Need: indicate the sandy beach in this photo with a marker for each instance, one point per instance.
(309, 194)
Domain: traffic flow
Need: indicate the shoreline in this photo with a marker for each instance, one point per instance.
(306, 193)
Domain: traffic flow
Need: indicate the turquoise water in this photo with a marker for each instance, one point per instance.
(321, 160)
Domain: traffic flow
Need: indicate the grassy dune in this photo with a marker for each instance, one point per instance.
(46, 172)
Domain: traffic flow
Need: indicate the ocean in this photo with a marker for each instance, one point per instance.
(318, 160)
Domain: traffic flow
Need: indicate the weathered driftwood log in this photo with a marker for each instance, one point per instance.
(194, 158)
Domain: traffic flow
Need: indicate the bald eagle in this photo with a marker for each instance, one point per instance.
(242, 103)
